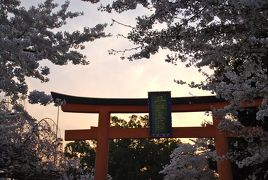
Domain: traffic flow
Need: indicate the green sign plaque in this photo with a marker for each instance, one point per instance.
(160, 114)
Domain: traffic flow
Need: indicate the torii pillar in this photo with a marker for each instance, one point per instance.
(101, 162)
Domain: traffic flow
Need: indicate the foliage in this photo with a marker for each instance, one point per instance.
(83, 151)
(138, 158)
(29, 37)
(128, 158)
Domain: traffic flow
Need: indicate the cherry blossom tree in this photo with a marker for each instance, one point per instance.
(30, 36)
(228, 37)
(29, 149)
(189, 161)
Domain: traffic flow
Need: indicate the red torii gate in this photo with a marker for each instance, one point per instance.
(105, 106)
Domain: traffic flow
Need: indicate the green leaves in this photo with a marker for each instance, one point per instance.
(138, 158)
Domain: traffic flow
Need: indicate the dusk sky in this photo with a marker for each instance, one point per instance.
(108, 76)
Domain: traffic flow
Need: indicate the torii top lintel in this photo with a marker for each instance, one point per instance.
(138, 105)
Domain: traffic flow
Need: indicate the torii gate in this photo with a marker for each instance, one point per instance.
(105, 106)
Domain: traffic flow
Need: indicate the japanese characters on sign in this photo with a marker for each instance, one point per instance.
(160, 114)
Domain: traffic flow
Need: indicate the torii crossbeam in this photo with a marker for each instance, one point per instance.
(105, 106)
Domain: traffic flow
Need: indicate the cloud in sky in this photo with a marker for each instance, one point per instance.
(108, 75)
